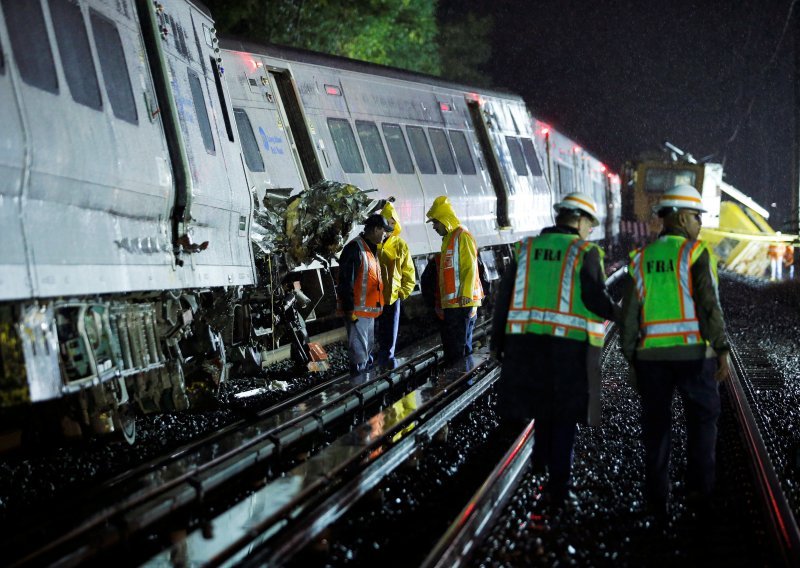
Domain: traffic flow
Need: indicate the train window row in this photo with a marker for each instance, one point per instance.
(447, 149)
(34, 56)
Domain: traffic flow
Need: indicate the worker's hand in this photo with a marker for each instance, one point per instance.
(723, 372)
(352, 317)
(463, 301)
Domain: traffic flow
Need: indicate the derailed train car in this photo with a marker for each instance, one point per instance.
(135, 153)
(570, 167)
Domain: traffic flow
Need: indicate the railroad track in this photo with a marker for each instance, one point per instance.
(129, 504)
(470, 529)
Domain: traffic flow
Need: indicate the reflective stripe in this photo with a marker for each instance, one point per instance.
(362, 301)
(522, 275)
(453, 245)
(366, 255)
(567, 277)
(672, 328)
(547, 317)
(638, 275)
(684, 273)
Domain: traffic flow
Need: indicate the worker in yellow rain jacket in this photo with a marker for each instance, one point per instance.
(673, 333)
(549, 312)
(398, 277)
(458, 279)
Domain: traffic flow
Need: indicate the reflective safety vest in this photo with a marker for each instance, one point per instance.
(367, 285)
(547, 290)
(663, 277)
(450, 272)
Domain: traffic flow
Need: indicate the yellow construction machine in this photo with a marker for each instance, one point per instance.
(737, 229)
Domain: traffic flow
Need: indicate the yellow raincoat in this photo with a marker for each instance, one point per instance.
(468, 281)
(397, 269)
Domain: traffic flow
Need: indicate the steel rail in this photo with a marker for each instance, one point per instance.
(781, 519)
(145, 504)
(478, 516)
(475, 520)
(333, 504)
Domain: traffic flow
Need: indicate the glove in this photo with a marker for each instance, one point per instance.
(353, 317)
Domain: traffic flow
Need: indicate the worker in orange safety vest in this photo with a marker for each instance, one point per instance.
(776, 253)
(360, 291)
(459, 282)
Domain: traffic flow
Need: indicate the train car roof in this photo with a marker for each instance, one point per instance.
(344, 63)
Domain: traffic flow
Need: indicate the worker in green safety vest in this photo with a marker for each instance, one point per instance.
(673, 333)
(550, 310)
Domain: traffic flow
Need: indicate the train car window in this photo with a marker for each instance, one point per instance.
(463, 155)
(373, 146)
(252, 155)
(565, 181)
(202, 112)
(346, 147)
(444, 154)
(421, 149)
(30, 44)
(398, 148)
(76, 55)
(515, 150)
(114, 67)
(659, 180)
(599, 193)
(530, 156)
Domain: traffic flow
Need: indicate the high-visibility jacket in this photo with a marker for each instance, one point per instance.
(547, 290)
(663, 278)
(458, 270)
(367, 285)
(397, 267)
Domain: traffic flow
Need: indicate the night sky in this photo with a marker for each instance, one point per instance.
(621, 77)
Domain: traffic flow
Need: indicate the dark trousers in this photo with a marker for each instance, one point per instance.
(457, 333)
(553, 442)
(694, 380)
(388, 323)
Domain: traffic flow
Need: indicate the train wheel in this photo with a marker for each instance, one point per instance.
(125, 422)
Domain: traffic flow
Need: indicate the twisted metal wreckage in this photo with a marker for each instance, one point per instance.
(292, 232)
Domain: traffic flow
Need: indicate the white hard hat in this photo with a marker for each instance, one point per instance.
(680, 197)
(578, 201)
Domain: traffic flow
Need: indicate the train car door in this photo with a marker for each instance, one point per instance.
(292, 121)
(490, 155)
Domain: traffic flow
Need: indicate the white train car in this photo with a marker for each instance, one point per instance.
(408, 136)
(134, 150)
(121, 195)
(570, 167)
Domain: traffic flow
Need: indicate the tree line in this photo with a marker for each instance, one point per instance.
(416, 35)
